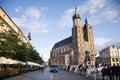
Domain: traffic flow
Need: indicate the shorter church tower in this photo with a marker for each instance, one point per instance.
(89, 41)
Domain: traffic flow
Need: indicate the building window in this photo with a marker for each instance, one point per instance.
(113, 59)
(117, 63)
(116, 59)
(113, 63)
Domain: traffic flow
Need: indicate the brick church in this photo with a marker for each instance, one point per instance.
(72, 50)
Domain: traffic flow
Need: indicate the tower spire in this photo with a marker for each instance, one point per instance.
(86, 21)
(76, 14)
(76, 11)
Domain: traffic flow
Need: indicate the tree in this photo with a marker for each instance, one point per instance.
(34, 56)
(12, 47)
(22, 52)
(8, 43)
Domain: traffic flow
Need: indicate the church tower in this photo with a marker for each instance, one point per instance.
(77, 36)
(82, 39)
(89, 41)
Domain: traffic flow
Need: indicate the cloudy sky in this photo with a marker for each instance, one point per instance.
(50, 21)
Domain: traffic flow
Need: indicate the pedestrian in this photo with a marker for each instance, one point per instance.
(119, 71)
(110, 73)
(94, 75)
(87, 72)
(115, 71)
(104, 73)
(68, 68)
(42, 69)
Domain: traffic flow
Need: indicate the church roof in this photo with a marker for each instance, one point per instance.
(63, 42)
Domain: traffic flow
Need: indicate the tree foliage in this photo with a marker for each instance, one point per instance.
(8, 44)
(12, 47)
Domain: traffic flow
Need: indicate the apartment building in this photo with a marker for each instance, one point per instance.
(6, 23)
(110, 56)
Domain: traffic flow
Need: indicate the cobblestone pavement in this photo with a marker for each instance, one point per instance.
(17, 78)
(47, 75)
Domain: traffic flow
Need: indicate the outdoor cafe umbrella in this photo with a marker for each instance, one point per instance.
(3, 60)
(10, 61)
(19, 62)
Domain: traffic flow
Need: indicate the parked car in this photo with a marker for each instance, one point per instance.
(53, 68)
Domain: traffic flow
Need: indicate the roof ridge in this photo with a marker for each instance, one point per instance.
(63, 42)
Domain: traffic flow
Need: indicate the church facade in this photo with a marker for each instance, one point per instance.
(72, 50)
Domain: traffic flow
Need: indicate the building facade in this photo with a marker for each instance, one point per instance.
(110, 56)
(6, 23)
(72, 50)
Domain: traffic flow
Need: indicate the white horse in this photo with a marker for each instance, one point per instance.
(76, 71)
(71, 68)
(91, 73)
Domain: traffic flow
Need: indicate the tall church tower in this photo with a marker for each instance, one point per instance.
(77, 36)
(82, 39)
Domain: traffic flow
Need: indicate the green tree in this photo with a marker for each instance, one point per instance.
(8, 43)
(22, 53)
(34, 56)
(12, 47)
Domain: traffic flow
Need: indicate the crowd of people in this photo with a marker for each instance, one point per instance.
(92, 72)
(113, 73)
